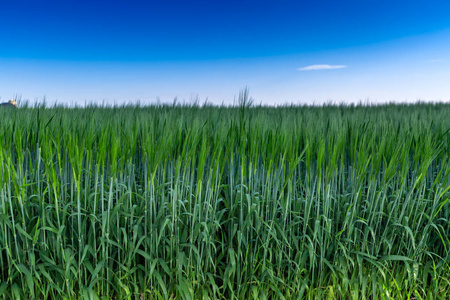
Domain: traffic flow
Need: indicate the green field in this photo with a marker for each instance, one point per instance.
(209, 202)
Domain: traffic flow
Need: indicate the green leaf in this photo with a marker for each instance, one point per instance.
(395, 258)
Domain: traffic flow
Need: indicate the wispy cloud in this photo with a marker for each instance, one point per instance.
(434, 60)
(321, 67)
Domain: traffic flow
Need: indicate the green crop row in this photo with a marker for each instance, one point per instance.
(208, 202)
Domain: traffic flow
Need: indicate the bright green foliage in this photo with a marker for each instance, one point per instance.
(247, 202)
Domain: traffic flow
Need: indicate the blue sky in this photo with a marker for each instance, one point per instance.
(283, 51)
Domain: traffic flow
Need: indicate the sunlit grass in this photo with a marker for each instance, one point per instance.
(247, 202)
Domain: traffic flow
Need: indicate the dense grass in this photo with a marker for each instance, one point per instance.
(192, 202)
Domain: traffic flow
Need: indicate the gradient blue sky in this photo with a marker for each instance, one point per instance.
(123, 51)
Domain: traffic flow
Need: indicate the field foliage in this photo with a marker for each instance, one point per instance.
(209, 202)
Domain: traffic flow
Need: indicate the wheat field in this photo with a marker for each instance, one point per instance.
(216, 202)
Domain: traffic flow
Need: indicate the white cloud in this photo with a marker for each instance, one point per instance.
(321, 67)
